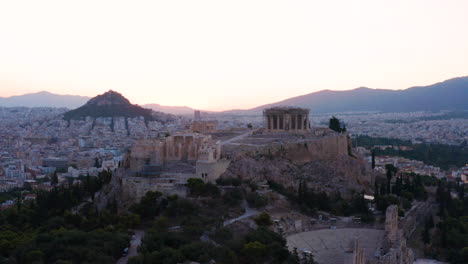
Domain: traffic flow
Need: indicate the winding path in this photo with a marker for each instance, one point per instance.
(134, 244)
(248, 213)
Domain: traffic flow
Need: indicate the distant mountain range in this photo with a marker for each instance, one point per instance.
(109, 104)
(451, 94)
(44, 99)
(175, 110)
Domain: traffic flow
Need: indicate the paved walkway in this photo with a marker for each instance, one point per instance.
(248, 213)
(231, 140)
(134, 244)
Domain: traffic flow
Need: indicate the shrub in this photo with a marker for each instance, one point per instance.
(263, 219)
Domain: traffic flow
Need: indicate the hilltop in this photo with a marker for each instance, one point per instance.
(109, 104)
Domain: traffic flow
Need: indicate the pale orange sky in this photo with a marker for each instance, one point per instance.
(228, 54)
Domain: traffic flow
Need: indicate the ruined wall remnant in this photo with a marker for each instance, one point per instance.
(396, 251)
(177, 147)
(415, 217)
(204, 126)
(209, 171)
(391, 222)
(358, 256)
(125, 190)
(134, 188)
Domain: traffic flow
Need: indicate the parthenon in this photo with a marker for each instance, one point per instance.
(286, 119)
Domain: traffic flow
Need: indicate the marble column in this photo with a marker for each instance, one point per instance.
(276, 122)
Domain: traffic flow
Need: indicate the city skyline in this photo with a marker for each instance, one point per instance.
(217, 56)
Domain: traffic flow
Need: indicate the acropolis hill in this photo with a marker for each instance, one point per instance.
(286, 152)
(320, 156)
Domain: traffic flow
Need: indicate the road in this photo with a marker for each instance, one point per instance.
(134, 243)
(248, 213)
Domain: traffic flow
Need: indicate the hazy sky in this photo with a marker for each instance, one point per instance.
(228, 54)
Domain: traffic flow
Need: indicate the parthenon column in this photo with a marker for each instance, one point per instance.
(277, 121)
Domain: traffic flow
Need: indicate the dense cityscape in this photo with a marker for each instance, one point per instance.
(233, 132)
(43, 152)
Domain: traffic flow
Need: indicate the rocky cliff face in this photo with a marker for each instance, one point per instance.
(326, 163)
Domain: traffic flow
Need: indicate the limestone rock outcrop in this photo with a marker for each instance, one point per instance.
(326, 163)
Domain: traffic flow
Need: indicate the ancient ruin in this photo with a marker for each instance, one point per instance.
(286, 119)
(201, 126)
(165, 164)
(285, 152)
(357, 245)
(391, 222)
(204, 126)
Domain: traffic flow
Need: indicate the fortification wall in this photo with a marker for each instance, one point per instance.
(134, 188)
(321, 148)
(415, 217)
(325, 163)
(395, 249)
(210, 171)
(297, 150)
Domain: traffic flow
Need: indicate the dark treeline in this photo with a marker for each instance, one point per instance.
(404, 190)
(309, 201)
(179, 223)
(449, 238)
(440, 155)
(51, 229)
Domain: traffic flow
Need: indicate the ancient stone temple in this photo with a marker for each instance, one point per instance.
(286, 119)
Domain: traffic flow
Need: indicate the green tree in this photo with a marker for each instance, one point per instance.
(335, 125)
(390, 171)
(373, 159)
(148, 206)
(233, 197)
(254, 251)
(54, 179)
(263, 219)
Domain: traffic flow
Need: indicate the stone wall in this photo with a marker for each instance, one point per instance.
(127, 190)
(297, 150)
(358, 256)
(391, 222)
(395, 250)
(178, 147)
(415, 217)
(323, 161)
(210, 171)
(134, 188)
